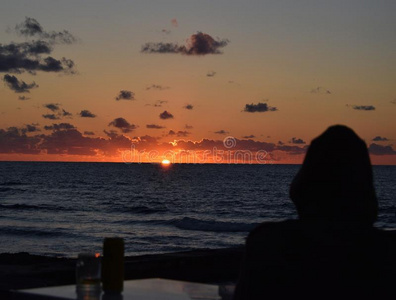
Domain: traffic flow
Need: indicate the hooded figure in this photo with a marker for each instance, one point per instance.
(335, 182)
(332, 250)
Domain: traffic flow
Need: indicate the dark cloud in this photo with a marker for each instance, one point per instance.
(60, 113)
(67, 140)
(320, 90)
(23, 98)
(51, 117)
(111, 133)
(178, 133)
(29, 128)
(31, 28)
(380, 139)
(154, 126)
(259, 107)
(280, 143)
(125, 95)
(221, 132)
(157, 87)
(189, 106)
(60, 126)
(123, 125)
(71, 142)
(249, 136)
(63, 142)
(66, 113)
(381, 150)
(296, 141)
(28, 56)
(52, 106)
(174, 22)
(89, 133)
(211, 74)
(188, 126)
(87, 114)
(294, 150)
(18, 86)
(198, 44)
(14, 140)
(363, 107)
(166, 115)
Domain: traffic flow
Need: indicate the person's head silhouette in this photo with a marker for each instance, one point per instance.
(335, 182)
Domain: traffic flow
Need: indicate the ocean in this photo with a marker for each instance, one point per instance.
(62, 209)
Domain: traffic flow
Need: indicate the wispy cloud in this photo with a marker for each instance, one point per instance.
(198, 44)
(18, 86)
(320, 90)
(157, 87)
(23, 98)
(249, 136)
(66, 113)
(159, 103)
(32, 28)
(222, 131)
(51, 117)
(154, 126)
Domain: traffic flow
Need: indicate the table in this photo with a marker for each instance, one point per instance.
(147, 289)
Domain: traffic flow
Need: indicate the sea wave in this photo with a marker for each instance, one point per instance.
(188, 223)
(144, 210)
(28, 231)
(33, 207)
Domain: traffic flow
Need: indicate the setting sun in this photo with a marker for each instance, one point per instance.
(165, 162)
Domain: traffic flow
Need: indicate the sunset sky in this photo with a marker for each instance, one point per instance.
(89, 80)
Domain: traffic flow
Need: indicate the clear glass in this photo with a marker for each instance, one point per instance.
(88, 273)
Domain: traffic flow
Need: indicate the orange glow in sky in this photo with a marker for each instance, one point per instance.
(220, 87)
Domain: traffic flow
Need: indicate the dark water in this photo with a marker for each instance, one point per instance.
(62, 209)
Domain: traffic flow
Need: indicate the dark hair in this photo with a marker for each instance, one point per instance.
(335, 182)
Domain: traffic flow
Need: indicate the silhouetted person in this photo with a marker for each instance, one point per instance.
(333, 250)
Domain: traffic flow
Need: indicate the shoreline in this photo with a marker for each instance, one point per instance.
(23, 270)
